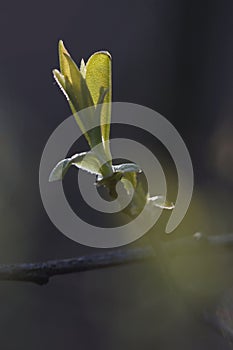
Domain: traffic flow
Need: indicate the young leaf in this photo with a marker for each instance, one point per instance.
(98, 112)
(138, 202)
(66, 88)
(60, 170)
(161, 202)
(129, 181)
(60, 80)
(70, 70)
(98, 75)
(102, 94)
(105, 181)
(83, 119)
(79, 85)
(129, 172)
(64, 66)
(73, 84)
(86, 161)
(127, 168)
(83, 68)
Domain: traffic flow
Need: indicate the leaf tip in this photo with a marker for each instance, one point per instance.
(161, 202)
(59, 170)
(103, 52)
(83, 68)
(61, 46)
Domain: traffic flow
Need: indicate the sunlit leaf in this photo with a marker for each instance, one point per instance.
(60, 170)
(73, 84)
(64, 66)
(104, 181)
(60, 80)
(129, 181)
(127, 168)
(99, 75)
(161, 202)
(138, 202)
(79, 85)
(86, 161)
(129, 174)
(83, 68)
(66, 88)
(70, 70)
(102, 94)
(84, 118)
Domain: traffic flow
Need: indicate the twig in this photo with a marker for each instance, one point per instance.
(193, 244)
(41, 272)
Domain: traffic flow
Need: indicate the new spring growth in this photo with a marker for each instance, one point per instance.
(90, 85)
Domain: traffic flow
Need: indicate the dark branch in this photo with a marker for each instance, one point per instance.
(41, 272)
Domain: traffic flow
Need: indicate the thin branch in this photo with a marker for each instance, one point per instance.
(41, 272)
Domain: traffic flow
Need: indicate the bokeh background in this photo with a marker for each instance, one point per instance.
(173, 56)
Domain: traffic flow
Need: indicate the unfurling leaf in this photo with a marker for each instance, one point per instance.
(80, 89)
(89, 162)
(64, 66)
(129, 175)
(83, 68)
(127, 168)
(91, 86)
(60, 170)
(73, 84)
(161, 202)
(129, 181)
(86, 161)
(66, 88)
(99, 75)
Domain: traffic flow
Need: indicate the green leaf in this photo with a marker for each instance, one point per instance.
(105, 181)
(129, 172)
(73, 85)
(86, 161)
(127, 168)
(83, 68)
(60, 80)
(64, 66)
(127, 179)
(83, 119)
(88, 87)
(98, 111)
(80, 89)
(60, 170)
(99, 75)
(102, 94)
(70, 70)
(66, 88)
(138, 202)
(161, 202)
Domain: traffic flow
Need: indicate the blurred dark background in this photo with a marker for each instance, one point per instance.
(172, 56)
